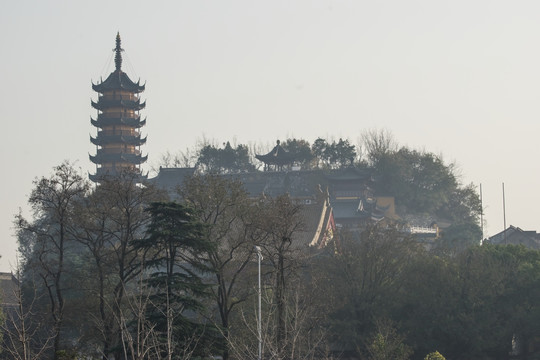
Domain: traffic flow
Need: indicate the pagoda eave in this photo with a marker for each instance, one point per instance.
(277, 156)
(101, 121)
(101, 88)
(118, 124)
(118, 80)
(104, 175)
(273, 160)
(101, 140)
(134, 159)
(110, 104)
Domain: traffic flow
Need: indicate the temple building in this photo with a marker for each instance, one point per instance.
(278, 157)
(118, 123)
(348, 192)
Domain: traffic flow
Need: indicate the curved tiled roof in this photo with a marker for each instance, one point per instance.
(277, 156)
(103, 174)
(104, 121)
(118, 80)
(115, 139)
(117, 158)
(128, 104)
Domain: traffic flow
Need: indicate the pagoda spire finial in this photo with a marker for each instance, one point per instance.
(118, 50)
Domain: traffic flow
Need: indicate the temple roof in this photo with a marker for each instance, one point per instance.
(351, 173)
(277, 156)
(171, 178)
(351, 209)
(298, 184)
(319, 223)
(350, 204)
(104, 121)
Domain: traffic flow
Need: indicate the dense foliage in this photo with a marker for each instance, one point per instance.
(468, 306)
(226, 160)
(124, 270)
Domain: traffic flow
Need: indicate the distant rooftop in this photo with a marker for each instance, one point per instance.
(516, 236)
(8, 289)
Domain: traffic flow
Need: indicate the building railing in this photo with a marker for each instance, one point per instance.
(118, 133)
(106, 151)
(132, 97)
(421, 230)
(119, 114)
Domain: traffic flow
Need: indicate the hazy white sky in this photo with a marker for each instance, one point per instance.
(459, 78)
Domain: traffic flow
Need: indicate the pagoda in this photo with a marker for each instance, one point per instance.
(118, 123)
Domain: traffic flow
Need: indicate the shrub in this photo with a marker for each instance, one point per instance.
(434, 356)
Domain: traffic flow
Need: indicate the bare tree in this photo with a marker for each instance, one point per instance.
(138, 336)
(377, 143)
(52, 200)
(140, 339)
(108, 223)
(306, 337)
(185, 158)
(223, 205)
(24, 338)
(290, 304)
(280, 222)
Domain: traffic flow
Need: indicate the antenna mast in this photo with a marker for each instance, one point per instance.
(504, 213)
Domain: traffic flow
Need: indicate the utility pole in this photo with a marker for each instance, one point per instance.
(259, 320)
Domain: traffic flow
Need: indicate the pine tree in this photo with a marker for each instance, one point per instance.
(174, 260)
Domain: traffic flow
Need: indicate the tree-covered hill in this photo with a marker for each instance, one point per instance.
(426, 189)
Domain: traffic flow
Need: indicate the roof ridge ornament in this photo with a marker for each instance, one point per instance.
(118, 50)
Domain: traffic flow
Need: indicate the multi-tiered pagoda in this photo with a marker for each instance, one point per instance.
(118, 139)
